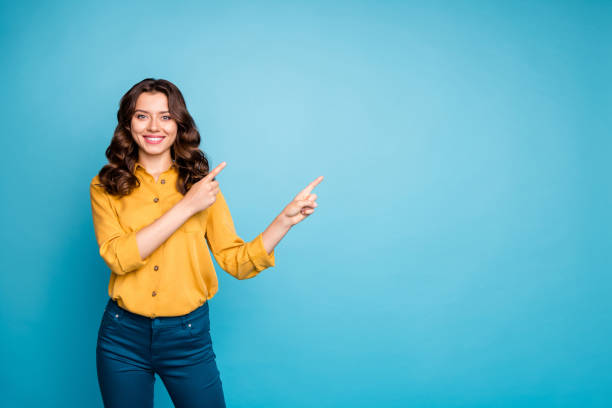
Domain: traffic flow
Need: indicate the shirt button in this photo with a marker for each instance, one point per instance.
(116, 316)
(156, 199)
(154, 293)
(155, 267)
(163, 181)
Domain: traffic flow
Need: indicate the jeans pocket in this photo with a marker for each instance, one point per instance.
(109, 322)
(199, 329)
(103, 325)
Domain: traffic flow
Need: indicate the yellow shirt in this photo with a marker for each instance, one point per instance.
(179, 276)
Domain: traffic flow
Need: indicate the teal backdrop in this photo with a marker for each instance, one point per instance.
(461, 252)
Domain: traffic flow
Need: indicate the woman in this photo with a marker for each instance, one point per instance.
(155, 205)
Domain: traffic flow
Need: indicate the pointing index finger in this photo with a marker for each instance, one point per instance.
(214, 172)
(312, 185)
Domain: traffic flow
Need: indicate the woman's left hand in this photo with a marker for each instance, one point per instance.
(302, 205)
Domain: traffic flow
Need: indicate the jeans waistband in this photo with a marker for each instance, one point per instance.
(113, 308)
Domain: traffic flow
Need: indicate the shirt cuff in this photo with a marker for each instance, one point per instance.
(260, 258)
(128, 254)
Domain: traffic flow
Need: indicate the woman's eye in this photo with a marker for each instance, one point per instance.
(166, 117)
(139, 116)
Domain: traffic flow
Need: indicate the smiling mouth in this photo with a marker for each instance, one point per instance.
(153, 139)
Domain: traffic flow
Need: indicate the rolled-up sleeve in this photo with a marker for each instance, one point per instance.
(241, 259)
(118, 247)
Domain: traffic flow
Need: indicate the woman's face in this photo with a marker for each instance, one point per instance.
(152, 127)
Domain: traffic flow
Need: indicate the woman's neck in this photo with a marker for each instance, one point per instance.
(155, 165)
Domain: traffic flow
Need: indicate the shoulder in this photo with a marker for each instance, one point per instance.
(95, 182)
(95, 187)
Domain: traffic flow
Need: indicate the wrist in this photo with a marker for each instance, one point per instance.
(283, 221)
(184, 207)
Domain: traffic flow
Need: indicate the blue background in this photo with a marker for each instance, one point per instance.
(461, 251)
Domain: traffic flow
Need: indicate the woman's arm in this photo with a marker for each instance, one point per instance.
(297, 210)
(150, 238)
(126, 251)
(245, 260)
(199, 197)
(275, 232)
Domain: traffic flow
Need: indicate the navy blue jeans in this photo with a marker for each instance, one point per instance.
(131, 348)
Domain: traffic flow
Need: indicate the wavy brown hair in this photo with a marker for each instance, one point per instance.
(118, 177)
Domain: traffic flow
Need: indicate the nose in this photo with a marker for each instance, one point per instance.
(153, 124)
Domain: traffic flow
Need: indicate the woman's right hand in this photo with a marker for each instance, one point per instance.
(203, 194)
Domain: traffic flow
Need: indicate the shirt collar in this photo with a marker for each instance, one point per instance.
(137, 165)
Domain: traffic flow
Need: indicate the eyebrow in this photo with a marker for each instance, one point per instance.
(141, 110)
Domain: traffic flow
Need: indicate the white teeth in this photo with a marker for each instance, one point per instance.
(155, 139)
